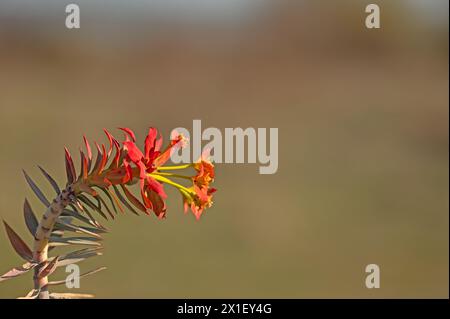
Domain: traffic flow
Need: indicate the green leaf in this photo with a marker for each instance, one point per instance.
(18, 244)
(36, 190)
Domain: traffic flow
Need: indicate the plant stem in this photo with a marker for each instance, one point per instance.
(42, 236)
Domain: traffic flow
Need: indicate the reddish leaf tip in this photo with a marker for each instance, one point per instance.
(129, 132)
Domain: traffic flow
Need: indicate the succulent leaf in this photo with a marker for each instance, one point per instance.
(51, 180)
(36, 190)
(17, 271)
(30, 219)
(18, 244)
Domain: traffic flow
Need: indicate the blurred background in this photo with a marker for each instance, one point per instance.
(363, 140)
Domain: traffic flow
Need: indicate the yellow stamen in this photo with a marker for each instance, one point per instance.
(172, 183)
(171, 175)
(168, 168)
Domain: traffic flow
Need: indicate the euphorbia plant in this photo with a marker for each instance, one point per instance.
(102, 186)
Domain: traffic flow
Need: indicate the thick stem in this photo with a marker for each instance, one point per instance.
(42, 236)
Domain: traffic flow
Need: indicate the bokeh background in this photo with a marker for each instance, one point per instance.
(363, 140)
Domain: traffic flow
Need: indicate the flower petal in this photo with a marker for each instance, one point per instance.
(150, 141)
(134, 153)
(129, 132)
(159, 206)
(156, 186)
(164, 156)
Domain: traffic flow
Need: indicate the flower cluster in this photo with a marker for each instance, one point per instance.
(130, 165)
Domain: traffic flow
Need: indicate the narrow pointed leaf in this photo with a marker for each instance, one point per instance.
(104, 160)
(76, 229)
(90, 217)
(61, 282)
(78, 216)
(57, 233)
(89, 152)
(67, 221)
(109, 197)
(136, 202)
(57, 295)
(49, 269)
(33, 294)
(51, 180)
(110, 139)
(98, 159)
(30, 219)
(57, 241)
(86, 167)
(116, 199)
(124, 201)
(86, 211)
(116, 158)
(91, 205)
(17, 271)
(129, 132)
(18, 244)
(78, 256)
(87, 189)
(101, 201)
(70, 168)
(36, 190)
(83, 168)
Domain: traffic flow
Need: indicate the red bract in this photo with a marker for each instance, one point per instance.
(152, 192)
(124, 164)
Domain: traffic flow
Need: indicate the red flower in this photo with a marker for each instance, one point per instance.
(129, 165)
(201, 199)
(201, 196)
(205, 172)
(152, 191)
